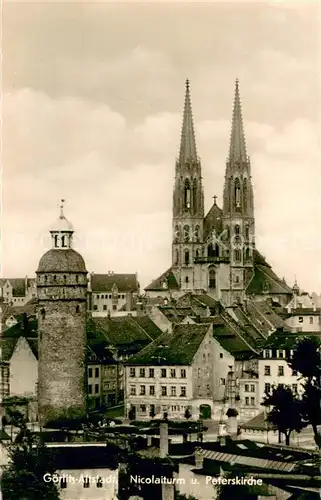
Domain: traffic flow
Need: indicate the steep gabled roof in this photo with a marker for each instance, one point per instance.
(168, 279)
(176, 314)
(18, 285)
(233, 338)
(213, 221)
(122, 330)
(105, 282)
(177, 348)
(9, 338)
(265, 280)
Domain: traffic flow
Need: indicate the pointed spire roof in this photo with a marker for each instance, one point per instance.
(237, 141)
(188, 144)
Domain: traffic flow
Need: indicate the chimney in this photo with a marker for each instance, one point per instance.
(163, 439)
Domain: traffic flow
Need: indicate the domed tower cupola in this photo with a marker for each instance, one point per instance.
(61, 231)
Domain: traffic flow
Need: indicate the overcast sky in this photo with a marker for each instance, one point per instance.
(93, 97)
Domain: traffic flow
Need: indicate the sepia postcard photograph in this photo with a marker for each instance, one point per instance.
(160, 286)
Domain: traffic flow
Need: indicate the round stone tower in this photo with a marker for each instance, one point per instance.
(62, 306)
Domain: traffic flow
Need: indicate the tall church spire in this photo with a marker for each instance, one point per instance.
(188, 144)
(237, 142)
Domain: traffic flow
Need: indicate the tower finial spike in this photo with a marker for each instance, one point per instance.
(188, 144)
(237, 142)
(62, 202)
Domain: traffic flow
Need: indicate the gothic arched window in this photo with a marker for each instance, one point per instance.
(177, 257)
(186, 234)
(212, 278)
(194, 196)
(247, 254)
(237, 194)
(247, 232)
(176, 234)
(196, 254)
(186, 279)
(77, 309)
(186, 257)
(187, 195)
(237, 229)
(237, 255)
(245, 195)
(197, 233)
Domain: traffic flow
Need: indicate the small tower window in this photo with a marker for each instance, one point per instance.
(197, 233)
(56, 240)
(63, 241)
(45, 278)
(212, 278)
(237, 194)
(195, 196)
(237, 255)
(196, 254)
(186, 234)
(247, 254)
(77, 309)
(55, 278)
(237, 229)
(247, 232)
(176, 234)
(176, 257)
(186, 279)
(76, 278)
(245, 195)
(65, 278)
(187, 195)
(186, 257)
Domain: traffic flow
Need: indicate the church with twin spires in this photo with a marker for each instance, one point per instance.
(216, 253)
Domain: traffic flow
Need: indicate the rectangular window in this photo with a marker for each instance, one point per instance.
(163, 372)
(246, 388)
(173, 373)
(96, 388)
(173, 391)
(252, 388)
(280, 371)
(142, 372)
(183, 373)
(183, 391)
(132, 390)
(90, 372)
(222, 381)
(267, 388)
(252, 401)
(114, 307)
(132, 372)
(311, 320)
(267, 370)
(104, 307)
(95, 307)
(97, 372)
(152, 390)
(247, 401)
(142, 390)
(221, 355)
(164, 390)
(90, 389)
(143, 408)
(281, 354)
(151, 373)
